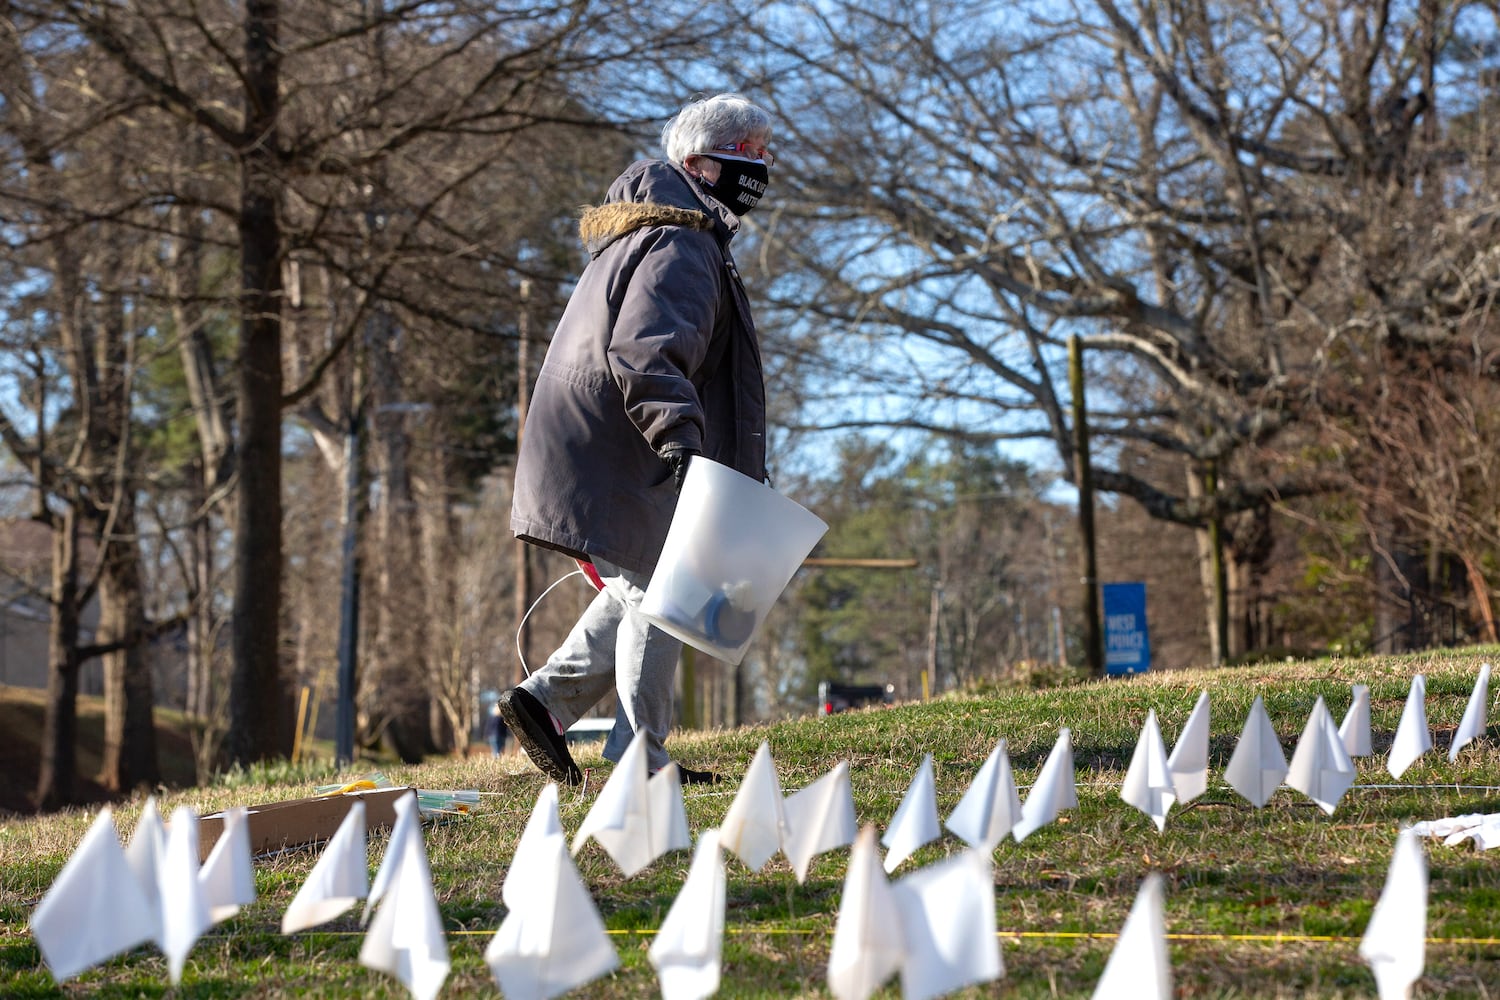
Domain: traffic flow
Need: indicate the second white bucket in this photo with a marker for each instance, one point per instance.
(732, 548)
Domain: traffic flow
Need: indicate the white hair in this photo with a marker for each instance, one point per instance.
(714, 121)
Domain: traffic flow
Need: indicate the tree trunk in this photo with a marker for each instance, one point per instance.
(57, 778)
(451, 653)
(399, 668)
(185, 276)
(1208, 563)
(1389, 588)
(1093, 630)
(130, 758)
(258, 725)
(199, 624)
(1481, 591)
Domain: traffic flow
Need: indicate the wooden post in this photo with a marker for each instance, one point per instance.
(1083, 479)
(930, 675)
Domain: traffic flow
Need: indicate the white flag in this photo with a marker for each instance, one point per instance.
(1472, 726)
(1054, 791)
(341, 876)
(868, 946)
(669, 824)
(1413, 737)
(916, 820)
(819, 818)
(148, 844)
(1355, 729)
(228, 876)
(1395, 942)
(406, 939)
(1189, 760)
(947, 915)
(755, 825)
(404, 818)
(1321, 768)
(687, 948)
(1148, 782)
(991, 806)
(624, 820)
(1258, 765)
(1139, 968)
(184, 911)
(552, 939)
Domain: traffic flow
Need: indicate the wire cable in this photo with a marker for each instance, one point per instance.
(527, 617)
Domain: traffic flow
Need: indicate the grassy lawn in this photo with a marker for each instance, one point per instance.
(1260, 903)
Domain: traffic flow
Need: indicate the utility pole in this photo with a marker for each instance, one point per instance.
(343, 743)
(1083, 479)
(523, 402)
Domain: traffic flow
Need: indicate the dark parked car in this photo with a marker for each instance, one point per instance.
(842, 697)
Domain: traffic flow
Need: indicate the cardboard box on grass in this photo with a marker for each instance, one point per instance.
(277, 826)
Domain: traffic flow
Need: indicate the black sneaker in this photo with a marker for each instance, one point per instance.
(690, 777)
(532, 725)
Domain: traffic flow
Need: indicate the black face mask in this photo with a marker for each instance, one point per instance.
(741, 183)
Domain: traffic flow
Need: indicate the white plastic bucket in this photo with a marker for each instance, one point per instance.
(730, 552)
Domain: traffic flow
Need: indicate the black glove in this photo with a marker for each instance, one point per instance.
(677, 458)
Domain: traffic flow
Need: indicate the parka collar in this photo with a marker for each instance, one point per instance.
(651, 193)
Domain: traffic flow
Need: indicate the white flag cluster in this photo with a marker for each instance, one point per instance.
(934, 927)
(637, 818)
(157, 892)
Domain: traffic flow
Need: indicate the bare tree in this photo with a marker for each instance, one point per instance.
(75, 228)
(306, 119)
(1220, 196)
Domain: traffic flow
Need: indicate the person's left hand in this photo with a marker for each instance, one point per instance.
(677, 459)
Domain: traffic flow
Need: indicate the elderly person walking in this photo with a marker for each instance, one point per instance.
(655, 360)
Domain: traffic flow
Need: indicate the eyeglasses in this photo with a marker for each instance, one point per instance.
(749, 151)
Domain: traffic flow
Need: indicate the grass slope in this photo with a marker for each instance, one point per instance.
(1266, 903)
(22, 716)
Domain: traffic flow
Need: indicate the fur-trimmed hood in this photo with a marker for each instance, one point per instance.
(653, 193)
(601, 225)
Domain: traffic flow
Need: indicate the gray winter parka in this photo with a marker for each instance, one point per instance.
(656, 347)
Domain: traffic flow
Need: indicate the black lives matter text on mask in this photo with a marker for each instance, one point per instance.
(741, 183)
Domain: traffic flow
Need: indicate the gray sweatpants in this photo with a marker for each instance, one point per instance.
(613, 646)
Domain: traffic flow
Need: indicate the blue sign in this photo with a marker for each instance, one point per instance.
(1127, 645)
